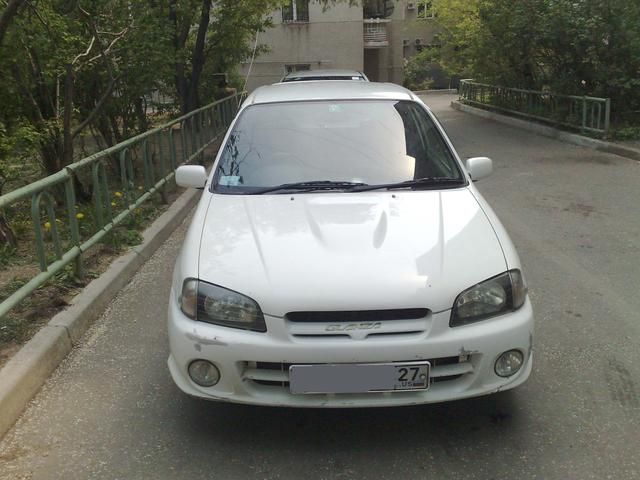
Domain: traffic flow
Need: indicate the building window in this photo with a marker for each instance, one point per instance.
(295, 11)
(297, 67)
(425, 9)
(377, 8)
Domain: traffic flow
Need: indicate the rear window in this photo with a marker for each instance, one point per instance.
(331, 77)
(373, 142)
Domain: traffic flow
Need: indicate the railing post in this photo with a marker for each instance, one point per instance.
(607, 115)
(70, 197)
(164, 191)
(172, 148)
(100, 194)
(126, 175)
(584, 115)
(183, 140)
(196, 130)
(51, 218)
(225, 107)
(212, 125)
(194, 134)
(146, 166)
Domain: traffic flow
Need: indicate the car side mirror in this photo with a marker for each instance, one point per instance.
(191, 176)
(479, 167)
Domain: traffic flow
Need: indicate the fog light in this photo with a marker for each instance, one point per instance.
(509, 363)
(204, 373)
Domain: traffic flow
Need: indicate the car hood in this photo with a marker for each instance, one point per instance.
(340, 251)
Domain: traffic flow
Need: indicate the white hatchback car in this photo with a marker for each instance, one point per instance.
(340, 256)
(328, 74)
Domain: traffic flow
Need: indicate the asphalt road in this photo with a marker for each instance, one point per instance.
(111, 410)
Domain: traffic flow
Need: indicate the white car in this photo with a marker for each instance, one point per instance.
(340, 256)
(327, 74)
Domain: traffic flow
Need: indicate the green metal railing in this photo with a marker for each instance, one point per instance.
(146, 164)
(588, 114)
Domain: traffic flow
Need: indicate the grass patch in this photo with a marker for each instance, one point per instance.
(21, 323)
(626, 133)
(20, 263)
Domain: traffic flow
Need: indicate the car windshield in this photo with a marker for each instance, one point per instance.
(337, 143)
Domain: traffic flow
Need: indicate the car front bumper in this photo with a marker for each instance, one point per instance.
(254, 366)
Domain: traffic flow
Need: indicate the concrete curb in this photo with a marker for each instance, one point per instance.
(23, 376)
(447, 91)
(600, 145)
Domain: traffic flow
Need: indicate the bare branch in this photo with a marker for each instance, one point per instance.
(26, 93)
(113, 34)
(107, 51)
(85, 54)
(42, 20)
(96, 109)
(103, 51)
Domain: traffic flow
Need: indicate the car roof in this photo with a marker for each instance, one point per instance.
(327, 90)
(325, 73)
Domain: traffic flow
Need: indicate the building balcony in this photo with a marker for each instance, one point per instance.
(375, 33)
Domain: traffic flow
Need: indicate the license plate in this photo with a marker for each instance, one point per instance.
(359, 377)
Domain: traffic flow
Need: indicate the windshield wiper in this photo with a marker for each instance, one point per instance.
(309, 186)
(418, 182)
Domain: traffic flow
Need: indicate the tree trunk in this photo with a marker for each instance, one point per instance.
(198, 59)
(7, 15)
(143, 123)
(67, 146)
(103, 127)
(187, 83)
(7, 237)
(51, 152)
(180, 34)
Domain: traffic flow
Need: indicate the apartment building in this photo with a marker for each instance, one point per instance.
(375, 37)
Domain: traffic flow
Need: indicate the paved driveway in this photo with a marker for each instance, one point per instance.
(111, 411)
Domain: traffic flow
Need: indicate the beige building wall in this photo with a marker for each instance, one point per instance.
(405, 25)
(331, 39)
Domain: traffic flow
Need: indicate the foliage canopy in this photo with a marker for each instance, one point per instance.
(73, 67)
(583, 47)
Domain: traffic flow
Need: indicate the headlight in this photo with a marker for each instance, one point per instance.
(504, 293)
(212, 304)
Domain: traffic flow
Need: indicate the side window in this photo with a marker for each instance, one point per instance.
(297, 67)
(425, 143)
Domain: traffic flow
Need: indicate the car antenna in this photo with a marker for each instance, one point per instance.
(253, 57)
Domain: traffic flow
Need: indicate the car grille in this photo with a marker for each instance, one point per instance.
(269, 374)
(356, 316)
(358, 325)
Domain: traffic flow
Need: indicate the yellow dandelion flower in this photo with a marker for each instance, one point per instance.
(113, 204)
(47, 225)
(117, 194)
(79, 215)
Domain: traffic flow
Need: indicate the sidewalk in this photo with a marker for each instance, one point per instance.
(624, 149)
(24, 374)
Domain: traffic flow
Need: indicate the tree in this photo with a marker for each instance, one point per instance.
(9, 11)
(72, 66)
(460, 29)
(220, 41)
(583, 47)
